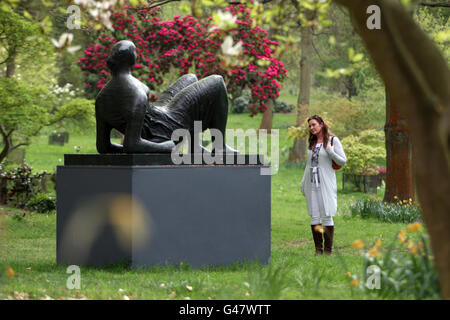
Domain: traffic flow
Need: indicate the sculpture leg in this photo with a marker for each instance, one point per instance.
(195, 144)
(181, 83)
(220, 115)
(206, 101)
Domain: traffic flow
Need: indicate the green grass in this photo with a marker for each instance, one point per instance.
(28, 246)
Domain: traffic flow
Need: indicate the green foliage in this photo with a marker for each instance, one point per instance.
(78, 113)
(346, 117)
(343, 64)
(240, 104)
(406, 268)
(42, 203)
(268, 282)
(400, 211)
(282, 107)
(17, 34)
(298, 132)
(21, 40)
(243, 104)
(352, 117)
(435, 22)
(24, 108)
(363, 151)
(302, 131)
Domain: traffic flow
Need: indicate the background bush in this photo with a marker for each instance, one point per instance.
(242, 104)
(283, 107)
(364, 152)
(42, 203)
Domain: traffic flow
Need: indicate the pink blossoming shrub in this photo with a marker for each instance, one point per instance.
(187, 44)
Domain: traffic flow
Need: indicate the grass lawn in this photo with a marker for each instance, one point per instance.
(28, 246)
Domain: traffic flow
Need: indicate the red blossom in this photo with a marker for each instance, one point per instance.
(186, 45)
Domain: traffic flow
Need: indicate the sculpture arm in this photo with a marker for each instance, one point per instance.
(174, 88)
(133, 142)
(104, 144)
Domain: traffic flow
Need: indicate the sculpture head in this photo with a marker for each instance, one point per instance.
(123, 56)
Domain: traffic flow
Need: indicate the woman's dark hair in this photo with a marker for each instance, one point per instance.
(122, 54)
(326, 132)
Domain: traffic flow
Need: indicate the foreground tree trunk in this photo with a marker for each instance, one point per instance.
(399, 166)
(297, 153)
(418, 80)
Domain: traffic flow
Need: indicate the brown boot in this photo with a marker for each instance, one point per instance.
(328, 233)
(318, 240)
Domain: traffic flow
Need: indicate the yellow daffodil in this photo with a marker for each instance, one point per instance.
(414, 227)
(378, 242)
(412, 247)
(358, 244)
(402, 236)
(318, 228)
(354, 283)
(349, 274)
(410, 200)
(373, 252)
(10, 272)
(395, 197)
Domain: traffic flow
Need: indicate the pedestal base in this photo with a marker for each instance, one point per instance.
(153, 215)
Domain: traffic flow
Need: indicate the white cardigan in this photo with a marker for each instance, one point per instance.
(327, 176)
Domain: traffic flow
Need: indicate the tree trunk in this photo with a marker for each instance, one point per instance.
(297, 153)
(11, 65)
(417, 78)
(266, 121)
(399, 169)
(349, 83)
(6, 143)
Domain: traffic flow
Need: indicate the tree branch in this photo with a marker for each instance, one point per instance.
(4, 61)
(239, 2)
(19, 145)
(9, 133)
(315, 49)
(3, 131)
(161, 3)
(435, 5)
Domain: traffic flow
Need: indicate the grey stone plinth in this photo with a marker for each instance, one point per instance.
(153, 215)
(146, 159)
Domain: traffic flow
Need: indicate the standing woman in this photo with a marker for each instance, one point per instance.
(319, 182)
